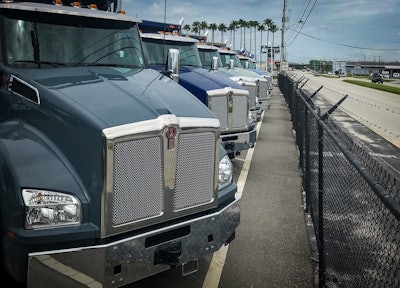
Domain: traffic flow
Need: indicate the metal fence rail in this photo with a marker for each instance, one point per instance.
(353, 199)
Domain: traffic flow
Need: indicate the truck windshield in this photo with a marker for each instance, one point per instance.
(226, 57)
(32, 44)
(206, 57)
(251, 64)
(155, 51)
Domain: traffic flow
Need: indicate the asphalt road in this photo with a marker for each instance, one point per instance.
(377, 110)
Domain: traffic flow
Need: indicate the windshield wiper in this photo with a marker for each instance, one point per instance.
(35, 45)
(112, 65)
(38, 63)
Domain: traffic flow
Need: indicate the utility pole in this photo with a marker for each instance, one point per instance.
(283, 58)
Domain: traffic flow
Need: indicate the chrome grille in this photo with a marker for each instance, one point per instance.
(137, 183)
(252, 95)
(194, 183)
(231, 107)
(240, 111)
(151, 178)
(262, 92)
(219, 105)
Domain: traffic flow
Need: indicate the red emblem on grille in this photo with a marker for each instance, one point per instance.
(170, 134)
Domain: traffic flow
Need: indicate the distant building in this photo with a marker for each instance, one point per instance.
(366, 68)
(360, 68)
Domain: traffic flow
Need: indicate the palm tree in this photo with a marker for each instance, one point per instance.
(241, 24)
(213, 27)
(273, 29)
(232, 28)
(254, 24)
(245, 25)
(268, 22)
(196, 27)
(222, 28)
(203, 26)
(260, 28)
(186, 28)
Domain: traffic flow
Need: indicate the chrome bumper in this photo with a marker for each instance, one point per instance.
(129, 260)
(265, 104)
(239, 141)
(256, 115)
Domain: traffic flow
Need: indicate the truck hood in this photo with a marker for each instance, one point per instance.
(95, 93)
(200, 79)
(208, 79)
(66, 110)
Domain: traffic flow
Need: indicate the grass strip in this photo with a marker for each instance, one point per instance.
(382, 87)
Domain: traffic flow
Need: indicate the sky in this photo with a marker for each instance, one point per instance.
(331, 30)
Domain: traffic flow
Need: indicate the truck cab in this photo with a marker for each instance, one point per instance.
(231, 62)
(224, 97)
(249, 63)
(101, 179)
(208, 52)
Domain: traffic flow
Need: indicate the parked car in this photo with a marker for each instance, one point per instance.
(376, 78)
(396, 75)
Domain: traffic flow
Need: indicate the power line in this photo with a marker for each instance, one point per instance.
(304, 21)
(345, 45)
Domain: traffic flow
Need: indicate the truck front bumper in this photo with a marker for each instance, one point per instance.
(256, 114)
(237, 142)
(128, 260)
(265, 103)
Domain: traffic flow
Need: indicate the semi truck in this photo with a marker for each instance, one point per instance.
(224, 97)
(232, 65)
(229, 64)
(109, 171)
(210, 60)
(249, 63)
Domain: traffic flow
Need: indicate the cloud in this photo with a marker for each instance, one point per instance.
(359, 23)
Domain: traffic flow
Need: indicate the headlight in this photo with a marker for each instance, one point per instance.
(46, 209)
(225, 172)
(249, 118)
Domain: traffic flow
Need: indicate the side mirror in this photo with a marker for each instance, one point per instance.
(214, 65)
(173, 63)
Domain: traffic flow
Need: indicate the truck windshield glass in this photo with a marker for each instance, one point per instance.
(251, 64)
(225, 58)
(206, 57)
(155, 52)
(61, 45)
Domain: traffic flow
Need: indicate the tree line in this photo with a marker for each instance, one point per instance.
(243, 26)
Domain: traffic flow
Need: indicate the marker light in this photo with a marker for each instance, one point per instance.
(92, 6)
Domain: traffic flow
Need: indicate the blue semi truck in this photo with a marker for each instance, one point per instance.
(101, 180)
(227, 99)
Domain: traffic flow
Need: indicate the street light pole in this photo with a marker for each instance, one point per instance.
(283, 36)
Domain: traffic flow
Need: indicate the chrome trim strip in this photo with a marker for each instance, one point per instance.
(224, 91)
(35, 90)
(168, 37)
(157, 124)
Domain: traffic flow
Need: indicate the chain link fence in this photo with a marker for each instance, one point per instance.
(351, 196)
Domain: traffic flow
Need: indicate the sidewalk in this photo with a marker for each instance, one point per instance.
(271, 248)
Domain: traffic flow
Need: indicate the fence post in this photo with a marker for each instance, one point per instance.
(307, 160)
(321, 271)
